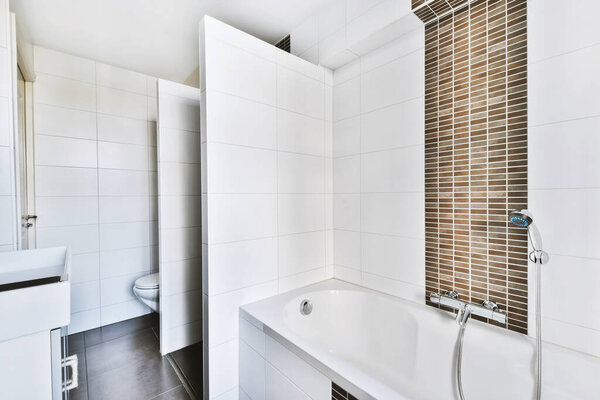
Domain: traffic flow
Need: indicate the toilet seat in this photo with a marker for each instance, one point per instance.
(147, 282)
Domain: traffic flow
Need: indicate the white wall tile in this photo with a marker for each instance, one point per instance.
(301, 252)
(85, 296)
(331, 18)
(346, 211)
(119, 78)
(399, 170)
(300, 173)
(253, 336)
(407, 73)
(122, 156)
(241, 216)
(346, 137)
(118, 289)
(65, 211)
(229, 66)
(122, 130)
(6, 172)
(181, 309)
(180, 179)
(254, 125)
(179, 112)
(60, 64)
(179, 146)
(124, 235)
(63, 92)
(355, 8)
(65, 152)
(252, 372)
(300, 213)
(235, 169)
(84, 267)
(82, 238)
(6, 214)
(65, 181)
(181, 276)
(304, 36)
(114, 182)
(376, 18)
(227, 33)
(5, 137)
(291, 282)
(240, 264)
(122, 103)
(180, 211)
(346, 99)
(224, 373)
(124, 209)
(396, 288)
(298, 93)
(60, 121)
(280, 387)
(180, 244)
(394, 214)
(347, 174)
(301, 65)
(83, 321)
(346, 250)
(122, 311)
(300, 134)
(114, 263)
(405, 44)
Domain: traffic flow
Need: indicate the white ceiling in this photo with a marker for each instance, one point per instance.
(156, 37)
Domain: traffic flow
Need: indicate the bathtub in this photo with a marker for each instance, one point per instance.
(378, 346)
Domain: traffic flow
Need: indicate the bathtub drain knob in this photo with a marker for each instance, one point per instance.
(305, 307)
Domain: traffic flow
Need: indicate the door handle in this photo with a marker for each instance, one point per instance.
(71, 362)
(29, 216)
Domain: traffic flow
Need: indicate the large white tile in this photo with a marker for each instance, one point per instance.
(113, 182)
(347, 137)
(65, 152)
(115, 263)
(252, 372)
(394, 213)
(125, 208)
(331, 18)
(224, 310)
(122, 156)
(6, 171)
(228, 69)
(179, 146)
(346, 99)
(280, 387)
(346, 249)
(122, 130)
(85, 296)
(291, 282)
(562, 232)
(180, 211)
(302, 374)
(399, 170)
(5, 133)
(180, 244)
(405, 44)
(179, 111)
(182, 308)
(394, 126)
(122, 103)
(300, 173)
(64, 65)
(347, 274)
(83, 321)
(124, 235)
(5, 72)
(407, 75)
(355, 8)
(347, 174)
(253, 336)
(301, 213)
(123, 311)
(236, 169)
(300, 64)
(119, 78)
(85, 267)
(557, 27)
(241, 264)
(241, 216)
(571, 336)
(346, 211)
(396, 288)
(63, 92)
(227, 33)
(61, 121)
(333, 50)
(393, 257)
(299, 93)
(347, 72)
(82, 238)
(235, 120)
(300, 253)
(300, 134)
(7, 229)
(118, 289)
(563, 155)
(223, 374)
(65, 181)
(65, 211)
(565, 87)
(181, 276)
(180, 179)
(376, 18)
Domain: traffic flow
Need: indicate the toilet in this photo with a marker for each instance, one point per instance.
(146, 289)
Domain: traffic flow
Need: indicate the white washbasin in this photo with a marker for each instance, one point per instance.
(35, 291)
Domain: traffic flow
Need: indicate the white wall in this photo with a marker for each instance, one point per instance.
(180, 224)
(378, 169)
(95, 180)
(268, 140)
(8, 213)
(564, 167)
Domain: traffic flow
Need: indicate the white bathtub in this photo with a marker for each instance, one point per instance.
(380, 347)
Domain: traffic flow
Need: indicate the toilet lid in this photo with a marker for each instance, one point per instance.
(147, 282)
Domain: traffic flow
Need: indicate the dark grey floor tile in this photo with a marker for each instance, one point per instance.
(137, 347)
(113, 331)
(189, 361)
(178, 393)
(80, 393)
(75, 343)
(139, 380)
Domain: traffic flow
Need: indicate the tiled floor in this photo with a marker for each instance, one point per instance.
(123, 361)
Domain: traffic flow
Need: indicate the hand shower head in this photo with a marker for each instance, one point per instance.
(522, 218)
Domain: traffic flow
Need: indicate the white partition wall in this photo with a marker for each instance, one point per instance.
(179, 210)
(268, 183)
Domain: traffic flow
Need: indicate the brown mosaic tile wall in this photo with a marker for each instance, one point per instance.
(476, 150)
